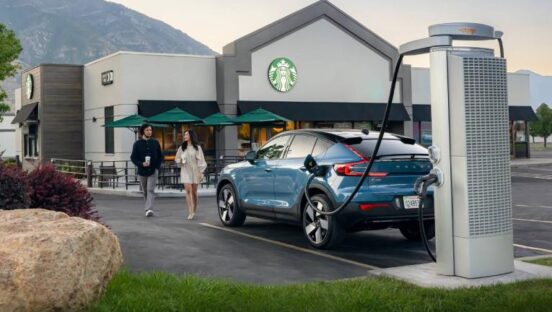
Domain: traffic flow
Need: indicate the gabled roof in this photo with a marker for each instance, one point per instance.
(299, 19)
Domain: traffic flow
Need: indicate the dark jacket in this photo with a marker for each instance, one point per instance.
(143, 148)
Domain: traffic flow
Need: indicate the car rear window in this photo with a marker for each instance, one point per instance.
(388, 147)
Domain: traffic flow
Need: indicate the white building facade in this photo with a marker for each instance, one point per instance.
(137, 77)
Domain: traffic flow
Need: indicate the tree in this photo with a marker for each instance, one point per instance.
(534, 129)
(543, 126)
(10, 47)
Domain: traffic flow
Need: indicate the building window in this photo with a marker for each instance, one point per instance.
(30, 147)
(109, 132)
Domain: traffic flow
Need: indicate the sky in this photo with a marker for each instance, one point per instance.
(527, 24)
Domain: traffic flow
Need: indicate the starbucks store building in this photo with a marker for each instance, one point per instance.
(316, 68)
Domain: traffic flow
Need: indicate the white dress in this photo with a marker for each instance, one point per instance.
(192, 164)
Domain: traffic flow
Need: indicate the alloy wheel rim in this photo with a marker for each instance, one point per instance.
(315, 224)
(226, 205)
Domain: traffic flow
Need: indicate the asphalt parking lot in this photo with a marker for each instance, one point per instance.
(272, 253)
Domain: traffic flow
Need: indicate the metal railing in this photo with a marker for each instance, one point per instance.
(114, 174)
(71, 167)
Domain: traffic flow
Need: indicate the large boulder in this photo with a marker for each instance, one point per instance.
(52, 262)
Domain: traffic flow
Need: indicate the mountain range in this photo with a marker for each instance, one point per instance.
(79, 31)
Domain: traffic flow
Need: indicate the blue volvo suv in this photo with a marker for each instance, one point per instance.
(270, 184)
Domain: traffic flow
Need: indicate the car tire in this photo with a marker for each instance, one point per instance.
(228, 207)
(411, 231)
(322, 232)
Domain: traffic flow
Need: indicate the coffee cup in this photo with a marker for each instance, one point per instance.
(148, 158)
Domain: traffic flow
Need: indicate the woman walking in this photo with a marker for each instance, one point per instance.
(191, 161)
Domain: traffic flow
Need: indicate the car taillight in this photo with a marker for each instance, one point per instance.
(345, 170)
(370, 206)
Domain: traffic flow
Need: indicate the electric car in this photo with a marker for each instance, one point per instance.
(270, 184)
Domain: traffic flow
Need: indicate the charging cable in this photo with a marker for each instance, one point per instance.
(321, 170)
(420, 187)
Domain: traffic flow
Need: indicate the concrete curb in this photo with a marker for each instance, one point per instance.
(424, 275)
(534, 257)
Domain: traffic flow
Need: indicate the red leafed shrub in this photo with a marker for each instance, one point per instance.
(14, 188)
(54, 191)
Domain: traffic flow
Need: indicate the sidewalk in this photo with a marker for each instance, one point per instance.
(134, 191)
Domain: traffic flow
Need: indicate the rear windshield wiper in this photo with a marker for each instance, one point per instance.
(405, 139)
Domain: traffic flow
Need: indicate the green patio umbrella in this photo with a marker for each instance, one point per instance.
(127, 122)
(217, 120)
(133, 121)
(260, 115)
(174, 116)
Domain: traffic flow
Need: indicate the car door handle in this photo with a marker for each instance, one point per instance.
(268, 170)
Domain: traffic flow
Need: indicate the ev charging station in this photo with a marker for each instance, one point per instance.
(470, 152)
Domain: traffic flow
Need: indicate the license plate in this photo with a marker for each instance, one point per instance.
(411, 202)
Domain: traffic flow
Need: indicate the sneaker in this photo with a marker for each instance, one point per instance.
(191, 216)
(149, 213)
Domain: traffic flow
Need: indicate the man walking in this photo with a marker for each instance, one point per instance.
(147, 156)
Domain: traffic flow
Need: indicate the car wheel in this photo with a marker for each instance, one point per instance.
(321, 231)
(228, 209)
(411, 231)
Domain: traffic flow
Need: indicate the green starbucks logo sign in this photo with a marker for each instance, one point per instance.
(282, 74)
(29, 87)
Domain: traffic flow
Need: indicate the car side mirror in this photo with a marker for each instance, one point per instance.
(251, 156)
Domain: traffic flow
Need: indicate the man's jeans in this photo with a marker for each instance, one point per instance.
(148, 188)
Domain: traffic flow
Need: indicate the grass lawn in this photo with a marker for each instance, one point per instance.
(543, 261)
(165, 292)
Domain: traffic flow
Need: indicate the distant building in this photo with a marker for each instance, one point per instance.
(7, 136)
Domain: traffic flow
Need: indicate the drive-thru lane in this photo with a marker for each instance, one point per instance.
(267, 252)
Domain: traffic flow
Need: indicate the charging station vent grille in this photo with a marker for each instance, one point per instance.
(487, 146)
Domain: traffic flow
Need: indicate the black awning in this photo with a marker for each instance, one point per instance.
(24, 113)
(201, 109)
(524, 113)
(327, 111)
(421, 112)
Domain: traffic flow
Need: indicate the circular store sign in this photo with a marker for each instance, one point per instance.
(29, 88)
(282, 74)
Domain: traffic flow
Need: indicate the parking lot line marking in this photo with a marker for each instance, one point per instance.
(530, 220)
(533, 248)
(313, 252)
(531, 175)
(536, 206)
(540, 169)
